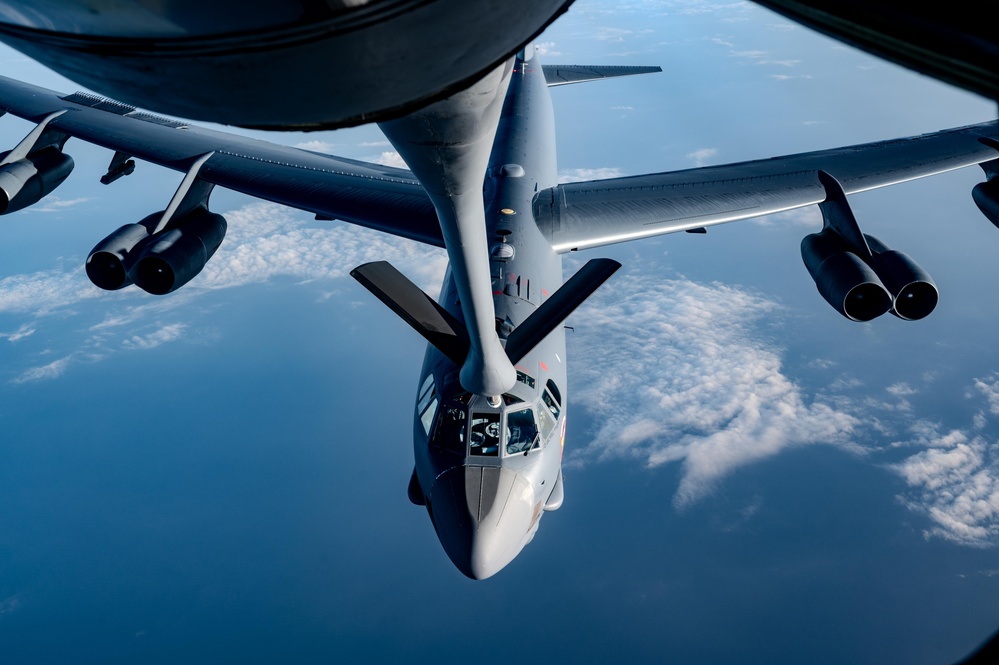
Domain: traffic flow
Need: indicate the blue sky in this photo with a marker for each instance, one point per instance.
(219, 475)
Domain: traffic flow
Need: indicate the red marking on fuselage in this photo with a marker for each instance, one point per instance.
(544, 366)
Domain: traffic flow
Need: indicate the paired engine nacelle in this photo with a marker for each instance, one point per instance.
(864, 290)
(857, 273)
(23, 182)
(160, 262)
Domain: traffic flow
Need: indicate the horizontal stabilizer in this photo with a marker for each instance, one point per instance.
(558, 307)
(566, 74)
(436, 324)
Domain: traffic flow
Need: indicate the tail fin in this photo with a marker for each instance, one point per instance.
(566, 74)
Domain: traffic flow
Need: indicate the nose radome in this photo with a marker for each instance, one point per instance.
(484, 516)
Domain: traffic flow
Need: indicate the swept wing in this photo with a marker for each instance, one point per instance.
(600, 212)
(379, 197)
(572, 216)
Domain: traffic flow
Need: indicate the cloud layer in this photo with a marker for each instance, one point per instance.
(685, 379)
(690, 377)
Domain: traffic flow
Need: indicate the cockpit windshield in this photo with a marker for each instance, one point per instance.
(521, 431)
(485, 437)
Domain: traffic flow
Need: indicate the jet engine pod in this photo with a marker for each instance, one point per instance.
(913, 291)
(846, 282)
(172, 258)
(986, 196)
(109, 262)
(24, 182)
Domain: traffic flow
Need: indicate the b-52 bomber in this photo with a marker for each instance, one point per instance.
(490, 414)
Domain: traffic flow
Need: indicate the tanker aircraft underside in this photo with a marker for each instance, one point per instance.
(490, 414)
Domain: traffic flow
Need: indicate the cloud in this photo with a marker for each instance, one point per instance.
(24, 331)
(956, 481)
(45, 291)
(318, 146)
(265, 241)
(613, 35)
(546, 49)
(807, 217)
(901, 389)
(167, 333)
(50, 371)
(758, 57)
(702, 156)
(581, 175)
(687, 380)
(989, 388)
(55, 204)
(391, 158)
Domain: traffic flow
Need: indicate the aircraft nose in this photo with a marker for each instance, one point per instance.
(484, 516)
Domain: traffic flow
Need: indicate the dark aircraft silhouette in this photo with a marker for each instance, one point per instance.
(276, 64)
(954, 42)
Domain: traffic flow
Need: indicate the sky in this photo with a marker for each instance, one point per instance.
(219, 475)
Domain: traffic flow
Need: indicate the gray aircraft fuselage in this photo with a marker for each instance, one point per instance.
(487, 473)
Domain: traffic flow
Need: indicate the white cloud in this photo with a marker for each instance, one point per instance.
(809, 217)
(318, 146)
(53, 203)
(581, 175)
(686, 380)
(49, 371)
(546, 49)
(613, 35)
(45, 291)
(265, 241)
(167, 333)
(26, 330)
(391, 158)
(901, 389)
(956, 480)
(702, 156)
(989, 387)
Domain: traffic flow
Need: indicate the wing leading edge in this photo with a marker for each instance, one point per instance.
(601, 212)
(379, 197)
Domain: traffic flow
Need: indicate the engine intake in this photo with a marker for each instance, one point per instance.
(174, 257)
(24, 182)
(109, 262)
(843, 279)
(914, 294)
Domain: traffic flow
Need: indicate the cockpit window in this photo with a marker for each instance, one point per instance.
(550, 404)
(450, 434)
(554, 391)
(485, 434)
(521, 431)
(547, 422)
(426, 405)
(550, 409)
